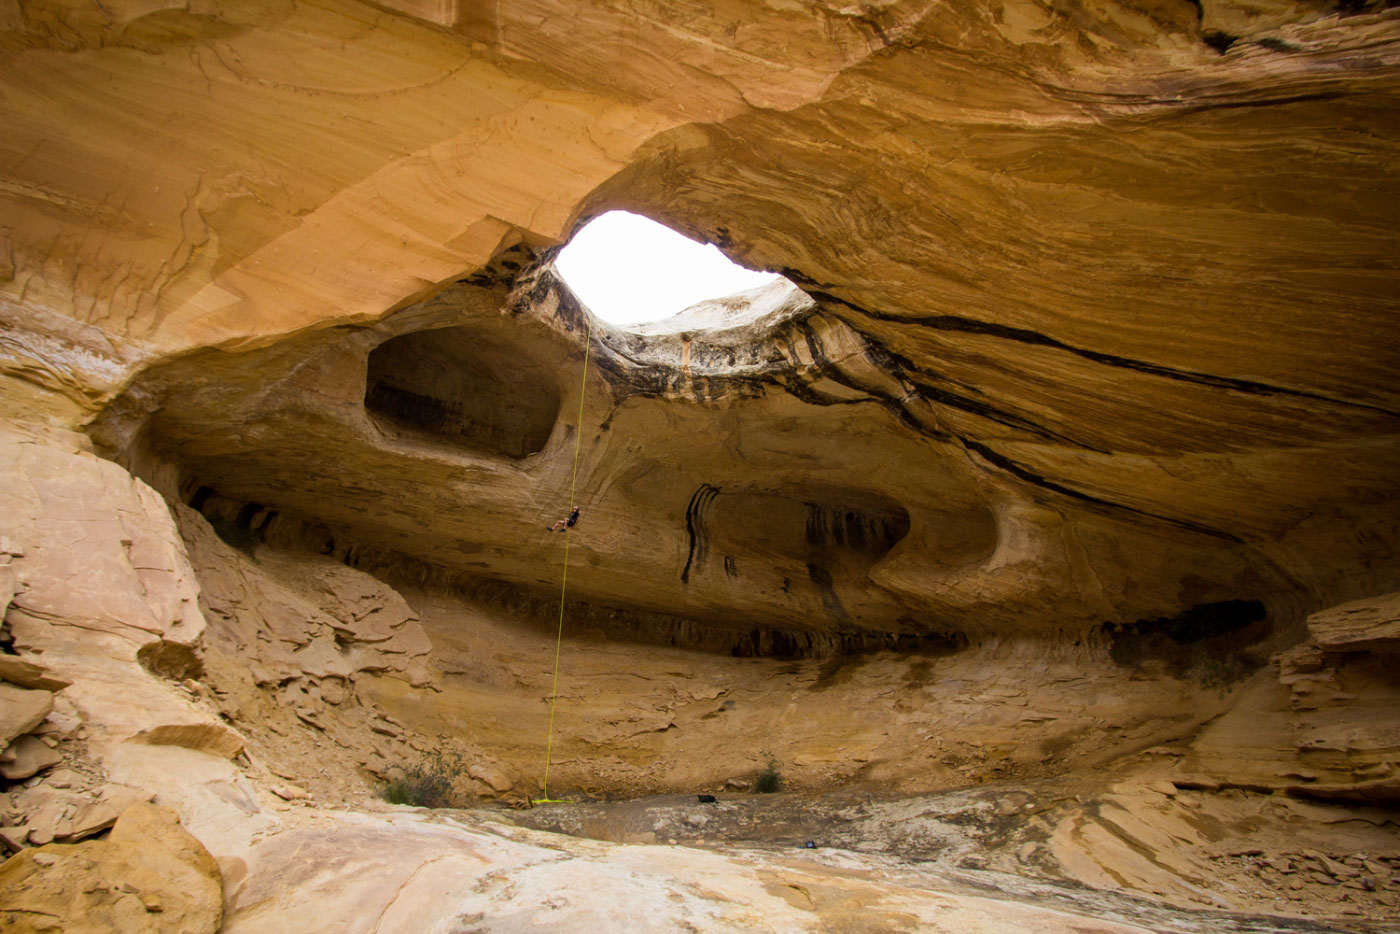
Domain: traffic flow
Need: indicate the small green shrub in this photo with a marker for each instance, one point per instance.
(770, 779)
(429, 784)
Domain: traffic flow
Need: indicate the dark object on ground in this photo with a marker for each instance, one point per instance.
(706, 799)
(810, 845)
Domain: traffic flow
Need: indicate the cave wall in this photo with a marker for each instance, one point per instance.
(1114, 277)
(1088, 407)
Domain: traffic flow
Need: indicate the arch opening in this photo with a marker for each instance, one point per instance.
(635, 273)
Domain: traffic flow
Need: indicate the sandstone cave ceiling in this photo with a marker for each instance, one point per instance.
(1097, 326)
(1082, 401)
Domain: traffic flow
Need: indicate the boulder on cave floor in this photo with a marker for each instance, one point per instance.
(29, 674)
(27, 756)
(21, 710)
(50, 813)
(149, 876)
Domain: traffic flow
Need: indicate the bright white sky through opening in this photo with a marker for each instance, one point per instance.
(629, 269)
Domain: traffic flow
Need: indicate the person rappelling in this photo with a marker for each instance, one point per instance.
(565, 523)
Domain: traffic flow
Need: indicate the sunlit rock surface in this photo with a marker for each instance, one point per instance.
(1056, 497)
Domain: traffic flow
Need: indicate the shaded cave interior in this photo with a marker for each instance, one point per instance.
(457, 386)
(477, 390)
(1219, 642)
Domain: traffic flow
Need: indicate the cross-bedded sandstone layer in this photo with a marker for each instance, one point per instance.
(1095, 333)
(1085, 406)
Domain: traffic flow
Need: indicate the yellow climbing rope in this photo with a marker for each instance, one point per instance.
(564, 586)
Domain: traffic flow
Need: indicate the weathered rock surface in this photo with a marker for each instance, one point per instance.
(53, 813)
(1316, 715)
(1086, 403)
(28, 674)
(303, 618)
(1360, 626)
(104, 590)
(1023, 296)
(25, 757)
(404, 873)
(21, 710)
(148, 875)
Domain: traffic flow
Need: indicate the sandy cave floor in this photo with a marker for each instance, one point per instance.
(982, 841)
(1113, 836)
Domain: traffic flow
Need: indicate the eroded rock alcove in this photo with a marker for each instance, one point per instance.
(1038, 533)
(453, 386)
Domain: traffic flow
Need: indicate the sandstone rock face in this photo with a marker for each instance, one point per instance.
(304, 618)
(1060, 485)
(101, 583)
(1361, 626)
(293, 642)
(1320, 716)
(1120, 446)
(28, 674)
(149, 875)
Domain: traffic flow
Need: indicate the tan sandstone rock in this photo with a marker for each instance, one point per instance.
(29, 674)
(1036, 483)
(21, 710)
(1360, 626)
(27, 756)
(148, 877)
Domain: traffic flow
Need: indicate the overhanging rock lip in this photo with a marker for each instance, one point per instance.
(736, 337)
(732, 317)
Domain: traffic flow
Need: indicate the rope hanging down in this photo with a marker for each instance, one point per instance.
(564, 586)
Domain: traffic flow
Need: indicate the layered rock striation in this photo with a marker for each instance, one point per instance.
(1089, 352)
(1059, 480)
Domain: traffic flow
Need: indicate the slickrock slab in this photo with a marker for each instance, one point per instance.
(355, 874)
